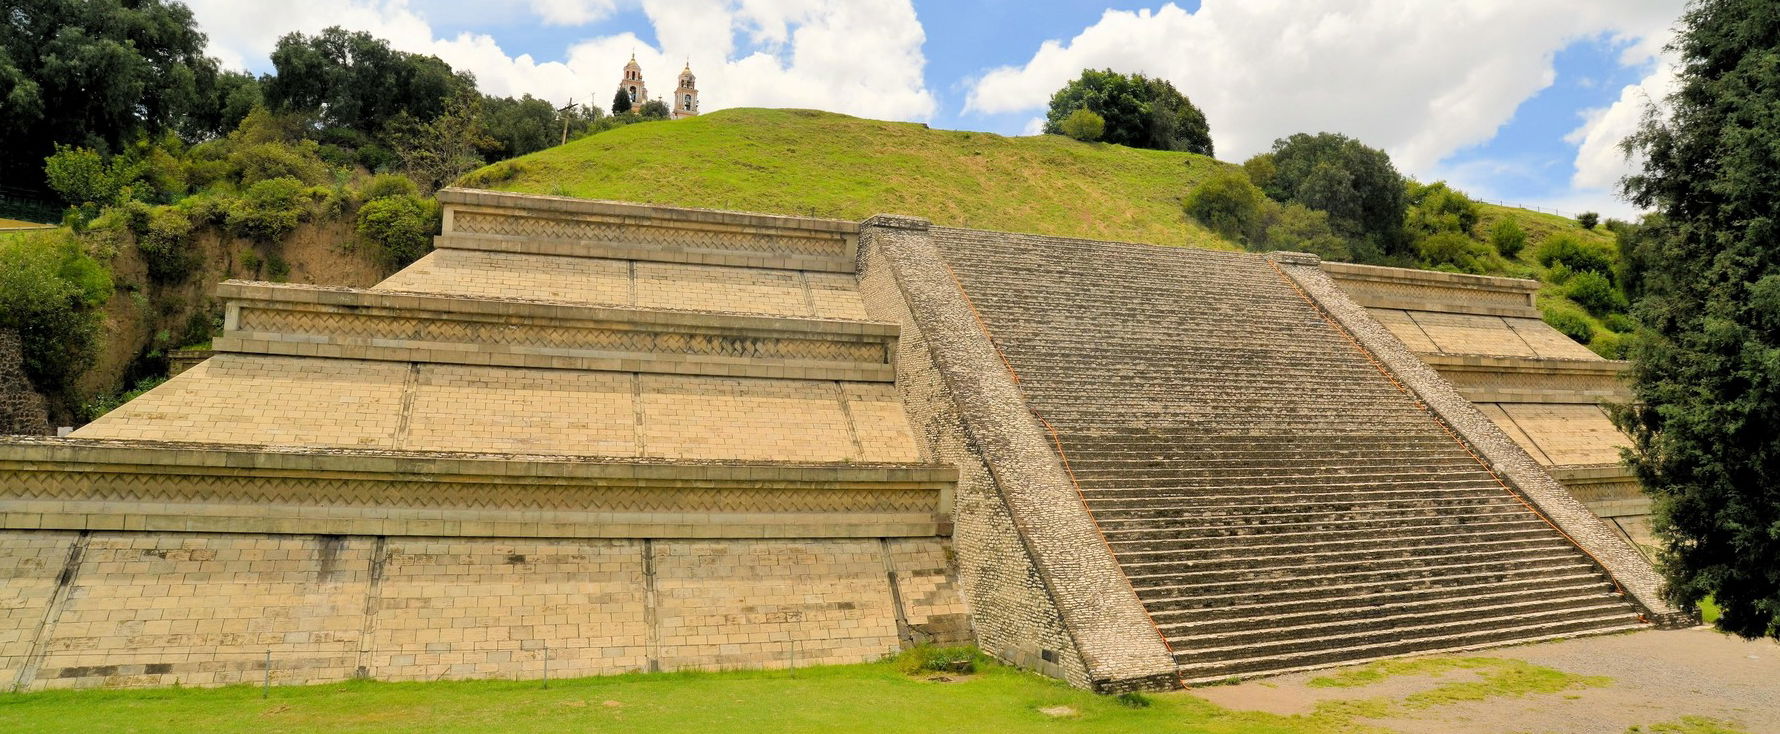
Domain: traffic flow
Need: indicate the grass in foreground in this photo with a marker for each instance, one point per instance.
(901, 695)
(876, 697)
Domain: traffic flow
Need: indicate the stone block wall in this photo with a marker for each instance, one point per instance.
(197, 609)
(21, 408)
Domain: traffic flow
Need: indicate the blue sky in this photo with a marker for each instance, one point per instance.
(1511, 100)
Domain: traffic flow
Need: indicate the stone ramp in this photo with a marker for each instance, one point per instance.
(1275, 499)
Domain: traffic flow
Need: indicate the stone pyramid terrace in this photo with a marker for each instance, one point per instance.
(630, 437)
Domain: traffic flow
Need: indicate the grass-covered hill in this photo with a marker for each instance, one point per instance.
(824, 164)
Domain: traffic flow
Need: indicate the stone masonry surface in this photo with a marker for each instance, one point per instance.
(594, 436)
(1540, 387)
(130, 609)
(1074, 585)
(1606, 548)
(1275, 500)
(21, 408)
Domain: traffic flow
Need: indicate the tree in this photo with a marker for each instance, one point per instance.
(621, 102)
(1084, 125)
(1588, 220)
(1139, 112)
(654, 109)
(1228, 204)
(355, 80)
(436, 152)
(95, 74)
(1508, 237)
(1703, 367)
(1358, 186)
(520, 126)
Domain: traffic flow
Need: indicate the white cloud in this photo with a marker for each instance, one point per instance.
(840, 55)
(1420, 79)
(1600, 163)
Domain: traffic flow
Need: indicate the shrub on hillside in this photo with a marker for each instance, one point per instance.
(1084, 125)
(1588, 220)
(1138, 111)
(388, 184)
(1575, 255)
(1610, 345)
(1593, 291)
(398, 229)
(1569, 321)
(267, 161)
(1454, 252)
(1227, 203)
(80, 175)
(268, 210)
(1508, 237)
(1436, 207)
(1620, 322)
(1300, 228)
(165, 242)
(50, 293)
(654, 109)
(1365, 197)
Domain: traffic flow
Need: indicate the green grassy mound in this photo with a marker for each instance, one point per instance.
(829, 165)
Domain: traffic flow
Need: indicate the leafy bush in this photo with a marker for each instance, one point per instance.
(1588, 220)
(50, 292)
(1454, 252)
(1508, 237)
(654, 109)
(385, 185)
(1227, 203)
(1138, 111)
(1436, 207)
(267, 161)
(1558, 274)
(80, 175)
(268, 211)
(1575, 255)
(1595, 292)
(1610, 345)
(1084, 125)
(1358, 186)
(1298, 227)
(1569, 321)
(165, 242)
(398, 229)
(1620, 322)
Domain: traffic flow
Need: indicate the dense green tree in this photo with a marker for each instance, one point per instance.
(1139, 112)
(97, 74)
(1229, 204)
(1588, 220)
(654, 109)
(355, 80)
(621, 102)
(1436, 207)
(1706, 365)
(1508, 237)
(436, 152)
(50, 292)
(520, 126)
(1356, 185)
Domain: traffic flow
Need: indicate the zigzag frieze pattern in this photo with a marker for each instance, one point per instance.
(362, 327)
(1436, 297)
(599, 230)
(421, 494)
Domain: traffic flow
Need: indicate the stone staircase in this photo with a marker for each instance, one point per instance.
(1276, 502)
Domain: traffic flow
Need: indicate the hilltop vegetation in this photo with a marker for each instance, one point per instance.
(829, 165)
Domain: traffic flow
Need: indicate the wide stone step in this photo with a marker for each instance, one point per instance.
(1334, 522)
(1208, 666)
(1531, 537)
(1467, 479)
(1352, 592)
(1313, 571)
(1186, 512)
(1113, 498)
(1200, 467)
(1381, 533)
(1193, 558)
(1266, 624)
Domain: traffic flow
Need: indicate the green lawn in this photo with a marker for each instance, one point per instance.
(878, 698)
(824, 164)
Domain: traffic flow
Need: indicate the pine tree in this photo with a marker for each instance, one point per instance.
(1706, 367)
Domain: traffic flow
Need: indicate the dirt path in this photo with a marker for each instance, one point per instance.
(1657, 677)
